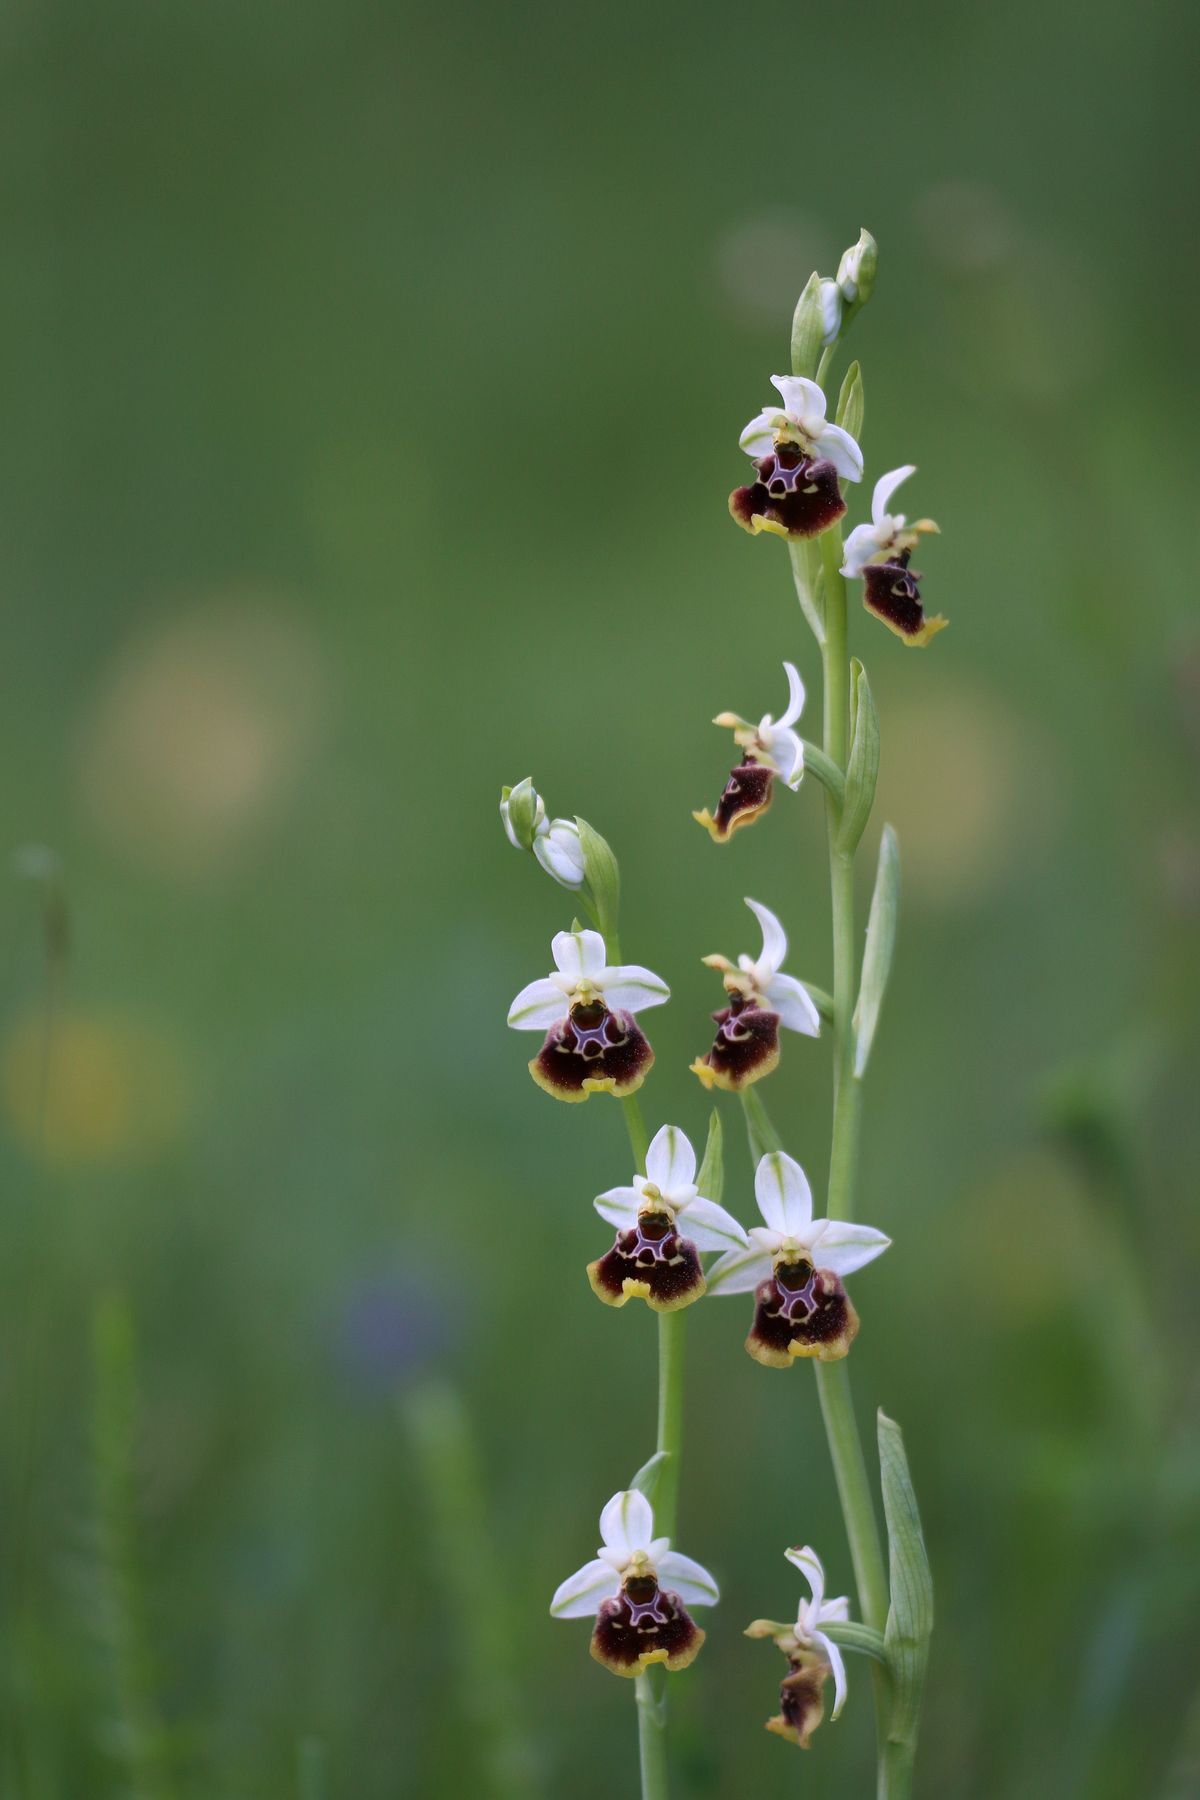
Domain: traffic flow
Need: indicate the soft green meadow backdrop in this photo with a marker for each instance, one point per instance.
(373, 378)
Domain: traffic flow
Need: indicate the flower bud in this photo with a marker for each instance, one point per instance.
(831, 312)
(856, 271)
(559, 850)
(522, 812)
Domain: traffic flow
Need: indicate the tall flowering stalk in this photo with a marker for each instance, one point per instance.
(637, 1589)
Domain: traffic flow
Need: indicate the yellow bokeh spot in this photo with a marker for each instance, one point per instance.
(86, 1089)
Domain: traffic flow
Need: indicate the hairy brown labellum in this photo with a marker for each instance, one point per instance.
(649, 1262)
(892, 594)
(801, 1311)
(801, 1700)
(592, 1051)
(746, 795)
(795, 496)
(644, 1624)
(745, 1048)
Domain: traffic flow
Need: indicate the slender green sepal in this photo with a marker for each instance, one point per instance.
(808, 329)
(602, 878)
(806, 573)
(853, 1636)
(863, 767)
(910, 1614)
(711, 1179)
(764, 1139)
(826, 771)
(522, 810)
(648, 1477)
(849, 413)
(881, 941)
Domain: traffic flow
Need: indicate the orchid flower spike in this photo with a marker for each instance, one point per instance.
(794, 1264)
(555, 842)
(662, 1222)
(812, 1653)
(761, 999)
(771, 748)
(593, 1044)
(798, 457)
(878, 553)
(638, 1590)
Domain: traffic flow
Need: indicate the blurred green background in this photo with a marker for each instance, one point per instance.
(373, 383)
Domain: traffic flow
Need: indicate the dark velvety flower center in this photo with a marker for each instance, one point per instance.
(594, 1029)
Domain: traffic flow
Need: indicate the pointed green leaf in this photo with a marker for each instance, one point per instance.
(808, 329)
(863, 766)
(650, 1474)
(602, 877)
(910, 1614)
(849, 413)
(711, 1179)
(881, 941)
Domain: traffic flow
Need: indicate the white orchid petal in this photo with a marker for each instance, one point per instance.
(579, 1596)
(811, 1567)
(538, 1006)
(709, 1226)
(795, 695)
(783, 1194)
(627, 1522)
(794, 1004)
(689, 1579)
(839, 448)
(630, 988)
(620, 1206)
(739, 1271)
(774, 937)
(844, 1247)
(860, 547)
(578, 953)
(804, 401)
(839, 1671)
(787, 753)
(670, 1160)
(758, 437)
(885, 487)
(835, 1612)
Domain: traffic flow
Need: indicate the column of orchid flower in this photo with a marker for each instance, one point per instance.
(637, 1589)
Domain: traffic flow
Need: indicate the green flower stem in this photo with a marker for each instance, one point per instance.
(805, 567)
(833, 1379)
(826, 772)
(650, 1686)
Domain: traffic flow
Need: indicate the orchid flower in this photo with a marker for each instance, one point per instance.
(810, 1650)
(586, 1009)
(762, 999)
(771, 748)
(794, 1264)
(801, 420)
(878, 554)
(638, 1590)
(798, 457)
(662, 1222)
